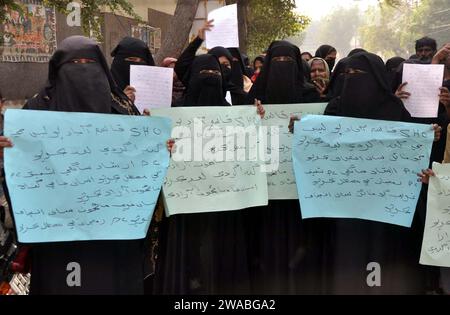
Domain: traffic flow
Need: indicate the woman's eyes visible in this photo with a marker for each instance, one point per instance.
(83, 61)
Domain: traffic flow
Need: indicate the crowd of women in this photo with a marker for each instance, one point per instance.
(262, 250)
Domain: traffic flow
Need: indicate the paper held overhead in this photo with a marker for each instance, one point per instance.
(225, 31)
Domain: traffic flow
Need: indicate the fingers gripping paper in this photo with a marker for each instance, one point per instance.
(436, 239)
(215, 166)
(360, 168)
(77, 176)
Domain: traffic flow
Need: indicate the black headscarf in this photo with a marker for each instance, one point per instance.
(237, 68)
(355, 51)
(368, 95)
(283, 82)
(75, 87)
(223, 52)
(323, 51)
(204, 89)
(129, 47)
(238, 96)
(337, 79)
(248, 70)
(393, 63)
(392, 66)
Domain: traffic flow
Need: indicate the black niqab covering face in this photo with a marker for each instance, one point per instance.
(204, 83)
(393, 63)
(323, 51)
(223, 52)
(237, 68)
(366, 92)
(129, 47)
(392, 67)
(337, 79)
(79, 87)
(282, 79)
(79, 80)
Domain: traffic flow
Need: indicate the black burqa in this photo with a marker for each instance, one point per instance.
(283, 250)
(204, 83)
(282, 78)
(356, 243)
(184, 63)
(203, 253)
(355, 51)
(233, 77)
(323, 51)
(392, 67)
(237, 68)
(337, 79)
(107, 267)
(120, 67)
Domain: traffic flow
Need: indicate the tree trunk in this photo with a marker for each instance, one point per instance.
(178, 33)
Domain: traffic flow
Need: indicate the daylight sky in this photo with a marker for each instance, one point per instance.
(316, 9)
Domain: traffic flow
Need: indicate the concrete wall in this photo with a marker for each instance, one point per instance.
(23, 80)
(114, 29)
(159, 20)
(19, 81)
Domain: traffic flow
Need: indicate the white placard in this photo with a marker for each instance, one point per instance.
(153, 86)
(424, 82)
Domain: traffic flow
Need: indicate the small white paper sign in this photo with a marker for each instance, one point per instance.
(153, 86)
(424, 82)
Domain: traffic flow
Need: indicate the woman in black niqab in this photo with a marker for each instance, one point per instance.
(366, 93)
(203, 253)
(232, 74)
(204, 83)
(355, 243)
(76, 86)
(283, 251)
(324, 52)
(282, 78)
(130, 51)
(238, 69)
(80, 81)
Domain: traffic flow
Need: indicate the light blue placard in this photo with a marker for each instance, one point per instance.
(360, 168)
(79, 176)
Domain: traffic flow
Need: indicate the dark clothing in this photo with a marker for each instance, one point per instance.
(129, 47)
(323, 51)
(337, 79)
(284, 251)
(204, 88)
(184, 63)
(202, 253)
(368, 95)
(355, 51)
(282, 78)
(356, 243)
(107, 267)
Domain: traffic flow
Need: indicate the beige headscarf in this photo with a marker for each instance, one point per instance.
(327, 69)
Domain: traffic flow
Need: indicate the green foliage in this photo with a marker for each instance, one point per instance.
(271, 20)
(391, 30)
(340, 28)
(90, 11)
